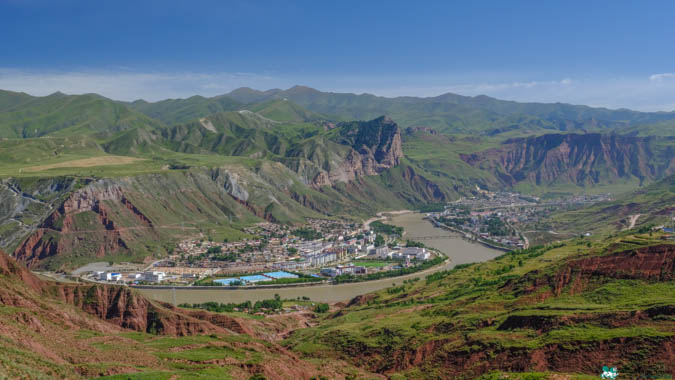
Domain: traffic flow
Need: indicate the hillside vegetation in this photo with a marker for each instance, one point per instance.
(652, 205)
(568, 308)
(84, 178)
(290, 154)
(78, 331)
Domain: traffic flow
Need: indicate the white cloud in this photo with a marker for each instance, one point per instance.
(660, 77)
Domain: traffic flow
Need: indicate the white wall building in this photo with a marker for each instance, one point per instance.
(154, 276)
(109, 276)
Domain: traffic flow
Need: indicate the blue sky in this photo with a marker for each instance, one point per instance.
(604, 53)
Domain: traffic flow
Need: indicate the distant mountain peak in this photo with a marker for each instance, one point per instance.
(298, 87)
(384, 119)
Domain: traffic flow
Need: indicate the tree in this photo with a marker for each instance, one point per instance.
(216, 249)
(379, 241)
(321, 308)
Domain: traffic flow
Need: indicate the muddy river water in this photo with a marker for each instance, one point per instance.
(458, 250)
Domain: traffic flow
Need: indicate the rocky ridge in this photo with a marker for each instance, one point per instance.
(61, 330)
(588, 159)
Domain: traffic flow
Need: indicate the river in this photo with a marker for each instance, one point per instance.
(457, 249)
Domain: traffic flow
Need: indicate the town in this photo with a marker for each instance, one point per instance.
(278, 254)
(329, 250)
(498, 218)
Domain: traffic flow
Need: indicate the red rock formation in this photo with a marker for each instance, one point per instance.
(118, 305)
(651, 263)
(10, 268)
(126, 308)
(375, 146)
(572, 158)
(655, 263)
(60, 233)
(480, 358)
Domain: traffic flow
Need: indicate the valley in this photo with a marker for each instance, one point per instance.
(458, 250)
(259, 233)
(337, 190)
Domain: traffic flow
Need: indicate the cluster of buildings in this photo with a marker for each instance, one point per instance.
(148, 276)
(493, 216)
(276, 249)
(343, 269)
(489, 225)
(403, 253)
(276, 246)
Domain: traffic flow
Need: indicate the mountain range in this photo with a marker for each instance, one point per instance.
(284, 155)
(84, 178)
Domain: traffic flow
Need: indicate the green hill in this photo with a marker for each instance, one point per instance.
(285, 111)
(174, 111)
(84, 178)
(651, 205)
(460, 114)
(69, 115)
(543, 311)
(10, 99)
(448, 113)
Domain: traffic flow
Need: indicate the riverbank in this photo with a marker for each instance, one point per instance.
(458, 250)
(381, 216)
(468, 236)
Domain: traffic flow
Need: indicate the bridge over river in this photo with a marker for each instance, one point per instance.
(431, 237)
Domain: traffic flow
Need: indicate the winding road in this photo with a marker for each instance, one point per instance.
(633, 219)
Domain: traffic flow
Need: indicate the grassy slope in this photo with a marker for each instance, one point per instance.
(175, 111)
(655, 203)
(439, 155)
(285, 111)
(70, 115)
(44, 338)
(665, 128)
(117, 128)
(456, 113)
(459, 314)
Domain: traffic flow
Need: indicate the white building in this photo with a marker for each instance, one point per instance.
(320, 259)
(290, 265)
(109, 276)
(154, 276)
(380, 252)
(417, 253)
